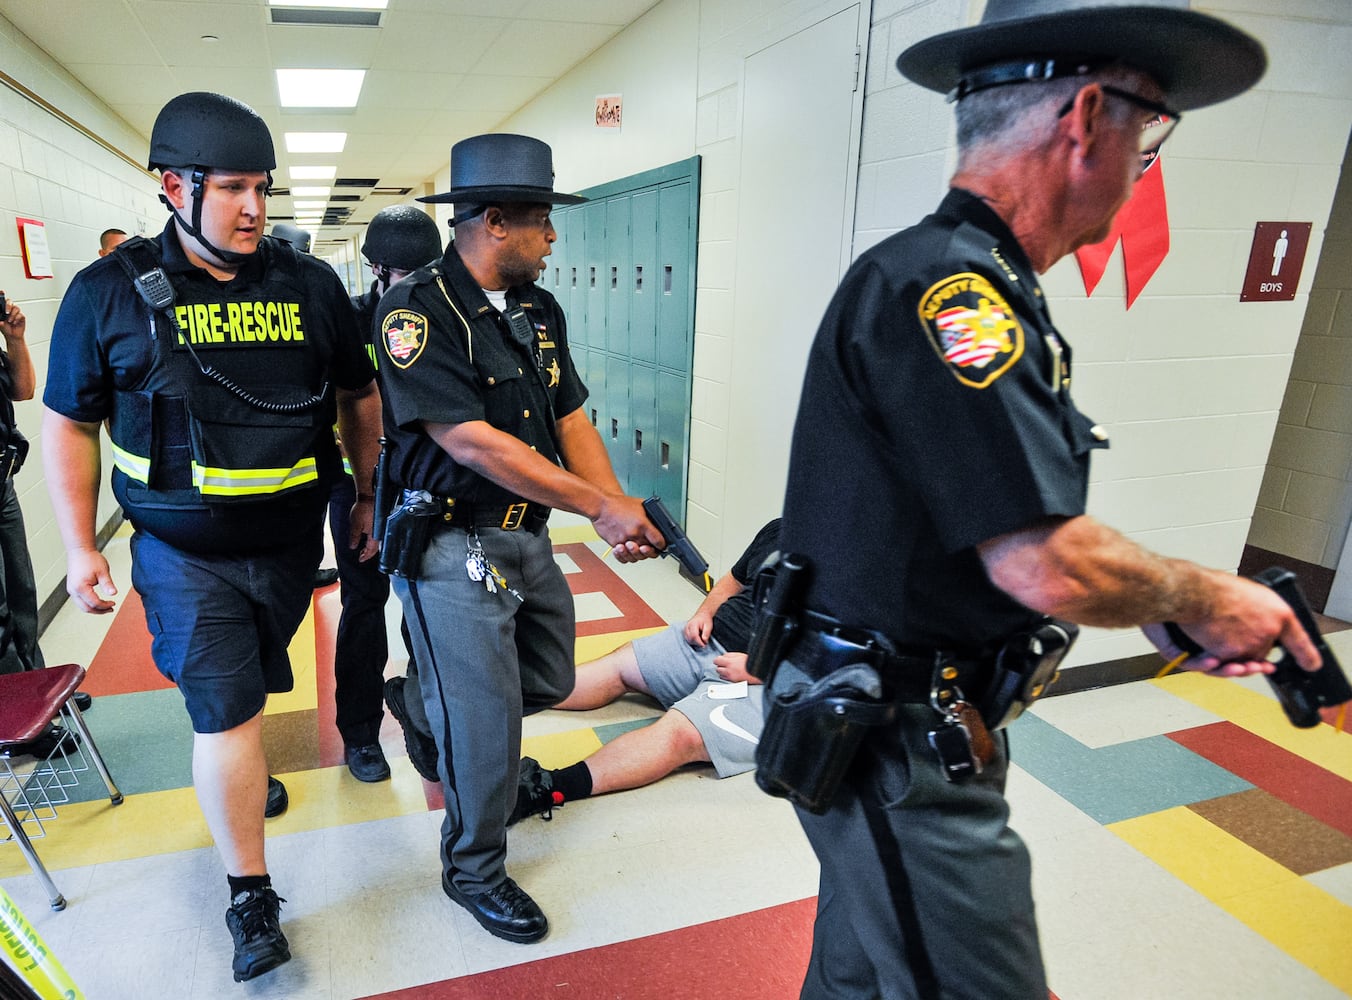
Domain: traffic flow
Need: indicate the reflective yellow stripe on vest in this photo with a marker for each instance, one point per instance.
(134, 466)
(246, 482)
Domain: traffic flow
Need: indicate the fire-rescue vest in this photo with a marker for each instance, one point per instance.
(232, 405)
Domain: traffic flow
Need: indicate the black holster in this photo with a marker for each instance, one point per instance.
(775, 594)
(1024, 668)
(813, 728)
(408, 529)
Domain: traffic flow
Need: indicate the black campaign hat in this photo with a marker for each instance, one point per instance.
(1195, 58)
(501, 167)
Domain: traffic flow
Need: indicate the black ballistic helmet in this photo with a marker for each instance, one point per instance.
(211, 131)
(297, 237)
(402, 237)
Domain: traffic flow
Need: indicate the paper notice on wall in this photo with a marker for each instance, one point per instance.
(37, 256)
(609, 110)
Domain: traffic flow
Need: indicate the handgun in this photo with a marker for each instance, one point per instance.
(1301, 693)
(694, 567)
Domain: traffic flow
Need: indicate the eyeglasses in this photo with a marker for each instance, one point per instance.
(1153, 132)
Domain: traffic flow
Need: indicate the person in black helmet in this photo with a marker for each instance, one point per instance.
(399, 240)
(297, 237)
(939, 381)
(486, 432)
(220, 359)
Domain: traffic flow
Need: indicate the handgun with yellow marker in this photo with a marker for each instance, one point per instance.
(694, 567)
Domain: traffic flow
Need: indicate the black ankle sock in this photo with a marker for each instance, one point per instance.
(247, 883)
(573, 781)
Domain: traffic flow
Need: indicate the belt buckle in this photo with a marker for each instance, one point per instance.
(516, 513)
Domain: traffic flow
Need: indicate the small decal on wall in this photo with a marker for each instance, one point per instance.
(1275, 261)
(37, 257)
(608, 108)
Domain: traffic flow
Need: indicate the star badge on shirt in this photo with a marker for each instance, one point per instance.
(554, 372)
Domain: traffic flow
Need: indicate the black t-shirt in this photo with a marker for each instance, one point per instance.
(733, 620)
(935, 415)
(447, 356)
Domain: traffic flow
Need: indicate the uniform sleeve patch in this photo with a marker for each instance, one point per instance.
(975, 332)
(405, 336)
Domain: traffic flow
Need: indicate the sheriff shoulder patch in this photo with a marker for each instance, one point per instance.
(405, 336)
(972, 327)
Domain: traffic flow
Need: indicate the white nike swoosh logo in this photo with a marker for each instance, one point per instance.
(719, 717)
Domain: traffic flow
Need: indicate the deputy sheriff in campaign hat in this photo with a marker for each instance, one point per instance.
(500, 168)
(940, 595)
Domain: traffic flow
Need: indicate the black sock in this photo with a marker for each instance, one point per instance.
(247, 883)
(573, 781)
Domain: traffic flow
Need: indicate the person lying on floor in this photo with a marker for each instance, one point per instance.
(696, 671)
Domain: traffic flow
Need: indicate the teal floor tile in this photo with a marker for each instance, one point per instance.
(1118, 782)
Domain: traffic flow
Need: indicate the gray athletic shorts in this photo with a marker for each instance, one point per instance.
(684, 678)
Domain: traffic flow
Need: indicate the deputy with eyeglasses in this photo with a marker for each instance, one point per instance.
(939, 380)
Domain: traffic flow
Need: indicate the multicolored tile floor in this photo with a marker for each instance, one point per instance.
(1187, 843)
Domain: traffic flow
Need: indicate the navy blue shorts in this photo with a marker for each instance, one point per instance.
(220, 624)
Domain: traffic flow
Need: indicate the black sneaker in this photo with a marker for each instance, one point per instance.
(325, 576)
(278, 800)
(422, 749)
(254, 921)
(367, 763)
(47, 742)
(535, 794)
(505, 911)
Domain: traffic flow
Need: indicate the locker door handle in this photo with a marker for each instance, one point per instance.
(638, 441)
(666, 279)
(614, 277)
(665, 461)
(614, 429)
(638, 277)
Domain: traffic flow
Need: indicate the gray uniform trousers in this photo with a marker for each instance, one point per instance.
(925, 890)
(484, 660)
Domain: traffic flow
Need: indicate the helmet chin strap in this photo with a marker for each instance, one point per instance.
(229, 258)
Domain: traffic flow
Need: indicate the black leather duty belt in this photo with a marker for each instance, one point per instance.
(821, 645)
(512, 517)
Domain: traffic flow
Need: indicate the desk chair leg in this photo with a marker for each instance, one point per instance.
(39, 869)
(114, 794)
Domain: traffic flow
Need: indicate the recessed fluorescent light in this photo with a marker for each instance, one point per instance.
(341, 4)
(310, 192)
(315, 142)
(319, 88)
(312, 173)
(301, 206)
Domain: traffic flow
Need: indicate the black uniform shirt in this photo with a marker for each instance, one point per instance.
(935, 415)
(101, 344)
(447, 356)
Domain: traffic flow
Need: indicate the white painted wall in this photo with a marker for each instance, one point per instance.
(51, 172)
(1306, 500)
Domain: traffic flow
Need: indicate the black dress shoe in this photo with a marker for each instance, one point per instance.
(47, 742)
(422, 749)
(278, 800)
(504, 911)
(324, 577)
(83, 700)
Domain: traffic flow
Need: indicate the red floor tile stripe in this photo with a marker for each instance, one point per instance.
(123, 664)
(595, 576)
(760, 955)
(1284, 775)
